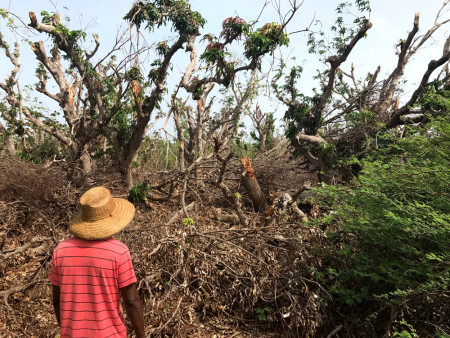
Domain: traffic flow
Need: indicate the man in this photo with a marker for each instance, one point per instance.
(92, 270)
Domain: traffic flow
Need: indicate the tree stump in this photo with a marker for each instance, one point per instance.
(258, 198)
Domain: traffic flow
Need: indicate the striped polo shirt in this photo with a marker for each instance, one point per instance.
(89, 275)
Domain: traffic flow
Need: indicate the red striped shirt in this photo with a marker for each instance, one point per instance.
(89, 275)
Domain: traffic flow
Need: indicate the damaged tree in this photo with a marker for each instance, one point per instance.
(342, 120)
(264, 124)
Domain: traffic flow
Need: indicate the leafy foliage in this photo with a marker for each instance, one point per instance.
(188, 221)
(138, 193)
(343, 32)
(394, 221)
(269, 129)
(213, 52)
(233, 28)
(264, 40)
(436, 98)
(159, 12)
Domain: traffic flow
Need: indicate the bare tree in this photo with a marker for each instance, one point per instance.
(264, 124)
(344, 115)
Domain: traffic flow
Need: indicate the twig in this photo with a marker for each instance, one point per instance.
(173, 315)
(336, 330)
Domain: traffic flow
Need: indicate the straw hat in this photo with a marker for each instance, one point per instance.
(101, 215)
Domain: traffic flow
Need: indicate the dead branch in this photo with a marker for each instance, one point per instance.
(304, 187)
(15, 289)
(300, 214)
(11, 252)
(179, 213)
(223, 217)
(336, 330)
(432, 66)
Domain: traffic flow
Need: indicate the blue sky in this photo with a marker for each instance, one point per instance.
(391, 19)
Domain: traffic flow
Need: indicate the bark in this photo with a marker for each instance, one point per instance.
(86, 162)
(9, 145)
(263, 142)
(125, 169)
(9, 141)
(233, 198)
(259, 199)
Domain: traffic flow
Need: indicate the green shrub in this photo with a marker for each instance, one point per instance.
(138, 194)
(391, 226)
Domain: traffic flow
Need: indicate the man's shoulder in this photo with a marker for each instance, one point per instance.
(77, 242)
(111, 242)
(66, 242)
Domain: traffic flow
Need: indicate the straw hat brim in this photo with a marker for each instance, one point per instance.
(119, 218)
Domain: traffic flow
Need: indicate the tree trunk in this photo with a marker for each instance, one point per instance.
(9, 141)
(262, 137)
(9, 145)
(181, 155)
(128, 178)
(86, 163)
(259, 199)
(125, 169)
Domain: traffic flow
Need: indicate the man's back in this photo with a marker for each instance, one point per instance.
(89, 275)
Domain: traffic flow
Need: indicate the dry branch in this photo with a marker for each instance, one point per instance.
(12, 252)
(15, 289)
(179, 213)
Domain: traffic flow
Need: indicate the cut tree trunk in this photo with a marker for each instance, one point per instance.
(259, 199)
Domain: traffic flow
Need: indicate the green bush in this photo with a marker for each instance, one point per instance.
(390, 228)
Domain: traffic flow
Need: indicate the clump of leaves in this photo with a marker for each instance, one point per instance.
(162, 48)
(188, 221)
(133, 74)
(233, 28)
(265, 39)
(394, 220)
(299, 111)
(123, 124)
(197, 92)
(262, 313)
(155, 13)
(436, 98)
(214, 51)
(402, 329)
(138, 194)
